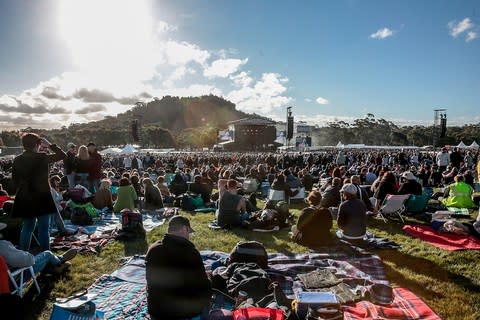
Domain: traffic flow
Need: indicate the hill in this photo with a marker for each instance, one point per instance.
(167, 122)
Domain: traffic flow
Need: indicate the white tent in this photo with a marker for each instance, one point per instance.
(128, 149)
(111, 151)
(340, 145)
(461, 145)
(474, 145)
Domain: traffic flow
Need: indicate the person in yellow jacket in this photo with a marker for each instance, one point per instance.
(459, 194)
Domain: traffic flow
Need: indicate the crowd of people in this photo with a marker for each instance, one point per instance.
(39, 178)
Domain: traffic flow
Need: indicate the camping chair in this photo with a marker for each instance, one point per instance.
(276, 195)
(393, 205)
(300, 195)
(416, 204)
(18, 280)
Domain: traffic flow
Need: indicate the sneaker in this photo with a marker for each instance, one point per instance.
(69, 255)
(61, 268)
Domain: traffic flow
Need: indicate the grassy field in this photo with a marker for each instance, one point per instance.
(448, 281)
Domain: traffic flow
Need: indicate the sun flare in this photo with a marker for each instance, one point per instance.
(104, 35)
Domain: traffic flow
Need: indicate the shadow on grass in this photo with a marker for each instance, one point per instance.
(135, 247)
(35, 303)
(424, 267)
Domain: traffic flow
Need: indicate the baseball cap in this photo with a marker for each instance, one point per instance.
(177, 221)
(349, 188)
(71, 145)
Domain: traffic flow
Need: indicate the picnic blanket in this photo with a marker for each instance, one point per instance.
(406, 305)
(447, 241)
(122, 295)
(459, 211)
(91, 239)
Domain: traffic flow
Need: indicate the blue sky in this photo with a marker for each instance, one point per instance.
(75, 61)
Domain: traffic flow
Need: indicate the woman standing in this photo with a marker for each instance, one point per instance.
(33, 200)
(82, 165)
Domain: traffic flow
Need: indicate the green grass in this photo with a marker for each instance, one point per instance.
(447, 281)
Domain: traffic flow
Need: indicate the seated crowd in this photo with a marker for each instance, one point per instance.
(345, 187)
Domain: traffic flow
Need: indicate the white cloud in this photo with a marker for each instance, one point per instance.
(382, 33)
(308, 100)
(163, 27)
(458, 28)
(181, 53)
(263, 96)
(322, 101)
(471, 35)
(109, 79)
(223, 67)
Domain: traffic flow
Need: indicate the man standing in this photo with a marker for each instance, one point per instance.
(94, 167)
(443, 160)
(352, 214)
(69, 164)
(177, 284)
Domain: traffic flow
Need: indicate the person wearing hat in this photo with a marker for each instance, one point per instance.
(44, 261)
(177, 284)
(69, 164)
(33, 200)
(409, 184)
(352, 214)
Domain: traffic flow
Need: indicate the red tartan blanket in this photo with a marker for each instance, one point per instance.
(406, 306)
(448, 241)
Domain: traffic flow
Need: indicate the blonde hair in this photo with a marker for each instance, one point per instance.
(105, 185)
(148, 182)
(83, 153)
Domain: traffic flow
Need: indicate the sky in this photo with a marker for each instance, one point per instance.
(68, 61)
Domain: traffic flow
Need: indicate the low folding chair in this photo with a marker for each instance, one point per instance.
(393, 205)
(276, 195)
(18, 280)
(300, 195)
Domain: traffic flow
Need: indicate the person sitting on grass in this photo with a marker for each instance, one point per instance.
(352, 215)
(231, 206)
(177, 284)
(153, 196)
(314, 223)
(459, 194)
(45, 261)
(409, 184)
(126, 196)
(162, 186)
(103, 198)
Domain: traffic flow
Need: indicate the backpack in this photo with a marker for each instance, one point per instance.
(250, 278)
(249, 251)
(80, 217)
(187, 203)
(258, 314)
(132, 221)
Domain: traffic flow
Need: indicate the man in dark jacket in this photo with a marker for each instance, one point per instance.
(177, 285)
(94, 167)
(331, 195)
(69, 164)
(33, 200)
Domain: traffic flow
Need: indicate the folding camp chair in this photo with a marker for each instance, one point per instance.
(18, 280)
(276, 195)
(393, 205)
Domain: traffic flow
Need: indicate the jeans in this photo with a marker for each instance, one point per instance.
(28, 227)
(46, 261)
(57, 221)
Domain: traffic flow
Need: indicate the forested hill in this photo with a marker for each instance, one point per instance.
(167, 122)
(177, 114)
